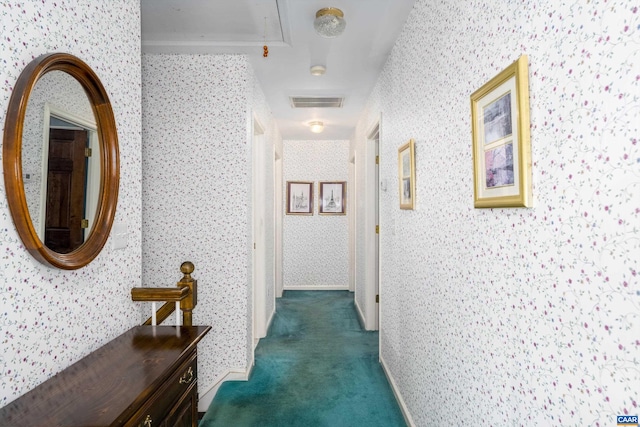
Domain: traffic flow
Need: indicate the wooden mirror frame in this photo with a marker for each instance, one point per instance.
(109, 160)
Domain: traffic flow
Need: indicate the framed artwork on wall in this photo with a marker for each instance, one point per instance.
(407, 175)
(332, 198)
(299, 198)
(501, 143)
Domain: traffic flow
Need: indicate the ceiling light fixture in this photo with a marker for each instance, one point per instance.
(329, 22)
(318, 70)
(316, 127)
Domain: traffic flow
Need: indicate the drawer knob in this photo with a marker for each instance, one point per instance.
(187, 377)
(147, 422)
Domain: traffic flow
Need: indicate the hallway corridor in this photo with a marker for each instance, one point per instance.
(315, 368)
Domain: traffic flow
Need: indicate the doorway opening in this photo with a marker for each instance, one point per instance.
(70, 182)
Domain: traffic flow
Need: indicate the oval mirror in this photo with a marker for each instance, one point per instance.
(61, 161)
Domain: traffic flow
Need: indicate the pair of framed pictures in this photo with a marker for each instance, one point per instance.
(332, 198)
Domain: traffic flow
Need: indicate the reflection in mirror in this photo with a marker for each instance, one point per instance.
(60, 162)
(58, 109)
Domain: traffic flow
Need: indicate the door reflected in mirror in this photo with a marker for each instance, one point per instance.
(61, 162)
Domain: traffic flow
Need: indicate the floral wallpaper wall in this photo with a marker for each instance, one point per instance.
(197, 121)
(315, 248)
(51, 318)
(514, 316)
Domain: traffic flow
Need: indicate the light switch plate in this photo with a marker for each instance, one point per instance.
(119, 235)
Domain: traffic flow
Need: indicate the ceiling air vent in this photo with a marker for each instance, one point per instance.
(316, 102)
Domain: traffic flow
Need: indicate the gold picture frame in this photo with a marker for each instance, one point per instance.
(501, 140)
(332, 198)
(299, 198)
(407, 175)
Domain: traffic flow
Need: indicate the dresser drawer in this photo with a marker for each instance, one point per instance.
(167, 396)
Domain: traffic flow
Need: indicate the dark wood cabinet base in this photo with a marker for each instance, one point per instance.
(146, 377)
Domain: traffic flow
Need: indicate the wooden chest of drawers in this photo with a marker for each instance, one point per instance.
(147, 377)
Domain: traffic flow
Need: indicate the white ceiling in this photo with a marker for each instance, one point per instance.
(353, 60)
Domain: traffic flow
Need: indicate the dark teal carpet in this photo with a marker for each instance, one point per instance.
(316, 367)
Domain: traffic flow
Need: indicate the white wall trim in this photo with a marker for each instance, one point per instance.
(258, 215)
(278, 278)
(396, 393)
(270, 319)
(353, 230)
(316, 288)
(360, 315)
(205, 398)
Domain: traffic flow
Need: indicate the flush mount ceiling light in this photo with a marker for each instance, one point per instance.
(329, 22)
(318, 70)
(316, 127)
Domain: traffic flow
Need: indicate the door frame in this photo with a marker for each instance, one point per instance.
(372, 221)
(278, 219)
(353, 201)
(258, 232)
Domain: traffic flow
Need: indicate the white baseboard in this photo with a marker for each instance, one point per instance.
(396, 393)
(205, 399)
(316, 288)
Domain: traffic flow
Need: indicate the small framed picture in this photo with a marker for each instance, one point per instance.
(299, 198)
(501, 142)
(332, 198)
(407, 175)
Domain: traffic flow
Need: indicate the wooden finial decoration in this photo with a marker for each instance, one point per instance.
(187, 268)
(265, 49)
(188, 304)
